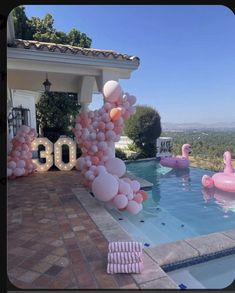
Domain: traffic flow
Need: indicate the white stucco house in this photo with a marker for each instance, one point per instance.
(69, 69)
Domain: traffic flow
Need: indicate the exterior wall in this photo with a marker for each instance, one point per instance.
(27, 100)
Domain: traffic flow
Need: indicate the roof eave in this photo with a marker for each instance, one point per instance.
(92, 61)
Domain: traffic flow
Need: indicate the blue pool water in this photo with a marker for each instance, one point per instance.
(214, 274)
(177, 207)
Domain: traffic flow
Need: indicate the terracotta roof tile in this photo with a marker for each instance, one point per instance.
(67, 49)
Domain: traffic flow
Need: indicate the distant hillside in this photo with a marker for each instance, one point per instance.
(223, 126)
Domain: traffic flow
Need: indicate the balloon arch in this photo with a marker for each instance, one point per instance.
(96, 132)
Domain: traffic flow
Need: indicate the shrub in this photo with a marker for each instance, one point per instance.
(144, 127)
(56, 113)
(120, 154)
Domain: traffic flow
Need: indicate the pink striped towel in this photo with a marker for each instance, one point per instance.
(125, 268)
(124, 257)
(125, 246)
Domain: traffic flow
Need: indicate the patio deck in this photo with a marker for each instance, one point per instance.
(52, 241)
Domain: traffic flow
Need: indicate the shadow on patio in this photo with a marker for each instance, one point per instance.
(52, 241)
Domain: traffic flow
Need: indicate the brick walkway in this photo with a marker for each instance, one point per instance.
(52, 241)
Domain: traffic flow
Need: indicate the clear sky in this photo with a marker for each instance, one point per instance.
(187, 53)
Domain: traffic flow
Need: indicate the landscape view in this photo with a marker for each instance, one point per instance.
(209, 142)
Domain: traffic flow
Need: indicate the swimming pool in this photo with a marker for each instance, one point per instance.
(214, 274)
(177, 207)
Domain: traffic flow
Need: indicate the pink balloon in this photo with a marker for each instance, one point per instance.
(124, 187)
(110, 135)
(102, 145)
(93, 169)
(101, 169)
(107, 106)
(133, 207)
(105, 117)
(78, 126)
(109, 125)
(131, 100)
(11, 165)
(135, 185)
(126, 179)
(20, 164)
(25, 147)
(21, 139)
(100, 136)
(80, 163)
(130, 195)
(116, 166)
(16, 153)
(93, 136)
(105, 187)
(18, 172)
(120, 201)
(126, 105)
(88, 163)
(138, 198)
(94, 148)
(112, 90)
(88, 174)
(101, 126)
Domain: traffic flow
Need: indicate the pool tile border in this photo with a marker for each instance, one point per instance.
(197, 260)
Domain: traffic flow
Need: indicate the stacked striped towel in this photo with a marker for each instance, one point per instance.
(125, 257)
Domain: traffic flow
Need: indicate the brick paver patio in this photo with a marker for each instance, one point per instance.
(52, 241)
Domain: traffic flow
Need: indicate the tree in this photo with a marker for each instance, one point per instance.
(144, 127)
(56, 113)
(42, 29)
(23, 29)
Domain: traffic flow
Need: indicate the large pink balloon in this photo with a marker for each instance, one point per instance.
(120, 201)
(116, 166)
(105, 187)
(112, 91)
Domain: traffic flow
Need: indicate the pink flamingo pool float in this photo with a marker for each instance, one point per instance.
(180, 162)
(222, 180)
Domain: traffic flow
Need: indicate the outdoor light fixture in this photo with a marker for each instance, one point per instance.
(47, 84)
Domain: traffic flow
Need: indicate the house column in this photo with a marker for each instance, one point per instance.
(85, 107)
(86, 88)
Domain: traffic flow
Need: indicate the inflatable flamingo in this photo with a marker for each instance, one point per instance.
(222, 180)
(181, 162)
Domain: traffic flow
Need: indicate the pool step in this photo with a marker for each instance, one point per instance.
(144, 184)
(184, 277)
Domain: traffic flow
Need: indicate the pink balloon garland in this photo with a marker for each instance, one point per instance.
(96, 132)
(19, 161)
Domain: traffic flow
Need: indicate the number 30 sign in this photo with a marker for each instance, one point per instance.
(57, 158)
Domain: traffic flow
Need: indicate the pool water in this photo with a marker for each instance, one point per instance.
(214, 274)
(178, 207)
